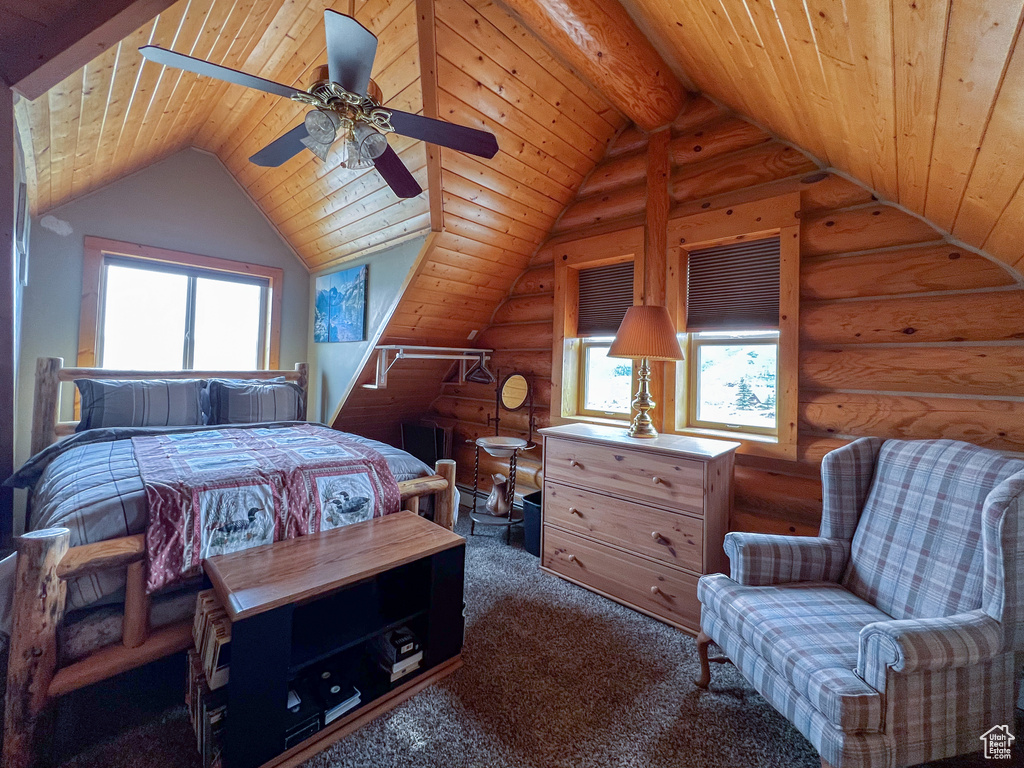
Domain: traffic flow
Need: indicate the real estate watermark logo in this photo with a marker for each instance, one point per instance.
(998, 742)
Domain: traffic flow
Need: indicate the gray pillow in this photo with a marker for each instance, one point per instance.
(147, 403)
(236, 402)
(205, 394)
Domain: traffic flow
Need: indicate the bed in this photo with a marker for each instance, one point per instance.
(81, 611)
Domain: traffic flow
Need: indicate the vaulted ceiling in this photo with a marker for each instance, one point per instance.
(922, 101)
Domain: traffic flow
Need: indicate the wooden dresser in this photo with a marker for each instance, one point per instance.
(636, 520)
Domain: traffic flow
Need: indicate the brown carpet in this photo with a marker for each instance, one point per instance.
(554, 677)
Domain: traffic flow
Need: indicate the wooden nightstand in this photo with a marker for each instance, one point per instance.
(635, 520)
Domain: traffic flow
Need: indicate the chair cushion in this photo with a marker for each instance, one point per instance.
(917, 552)
(808, 633)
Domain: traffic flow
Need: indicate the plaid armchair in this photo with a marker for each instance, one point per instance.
(889, 639)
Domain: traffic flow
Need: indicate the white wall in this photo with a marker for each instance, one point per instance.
(188, 202)
(333, 365)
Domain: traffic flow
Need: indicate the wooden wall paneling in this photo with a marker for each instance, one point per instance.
(909, 269)
(97, 78)
(962, 369)
(996, 315)
(704, 142)
(603, 208)
(862, 228)
(757, 165)
(986, 422)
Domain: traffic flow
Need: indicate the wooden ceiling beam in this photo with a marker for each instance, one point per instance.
(599, 39)
(35, 63)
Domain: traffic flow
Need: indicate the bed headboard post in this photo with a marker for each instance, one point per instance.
(47, 402)
(303, 382)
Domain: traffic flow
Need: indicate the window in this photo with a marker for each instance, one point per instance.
(151, 309)
(595, 284)
(606, 382)
(735, 303)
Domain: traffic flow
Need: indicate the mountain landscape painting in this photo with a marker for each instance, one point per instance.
(340, 313)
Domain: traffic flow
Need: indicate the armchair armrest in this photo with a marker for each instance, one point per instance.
(905, 646)
(760, 559)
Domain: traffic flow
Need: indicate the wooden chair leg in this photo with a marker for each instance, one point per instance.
(703, 641)
(37, 612)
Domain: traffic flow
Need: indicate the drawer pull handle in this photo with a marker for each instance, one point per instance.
(573, 463)
(656, 480)
(655, 590)
(574, 511)
(656, 536)
(571, 558)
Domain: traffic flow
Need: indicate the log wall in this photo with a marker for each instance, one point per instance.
(903, 334)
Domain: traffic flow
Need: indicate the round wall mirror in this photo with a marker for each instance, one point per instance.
(515, 389)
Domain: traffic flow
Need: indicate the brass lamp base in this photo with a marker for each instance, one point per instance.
(642, 425)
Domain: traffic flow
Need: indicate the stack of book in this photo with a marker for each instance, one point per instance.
(398, 652)
(207, 674)
(211, 631)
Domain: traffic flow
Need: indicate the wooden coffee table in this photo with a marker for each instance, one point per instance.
(322, 598)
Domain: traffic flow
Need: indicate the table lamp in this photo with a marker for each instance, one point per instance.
(646, 334)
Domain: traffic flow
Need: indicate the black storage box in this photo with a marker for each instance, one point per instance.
(531, 522)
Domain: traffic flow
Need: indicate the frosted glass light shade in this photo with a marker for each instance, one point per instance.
(646, 331)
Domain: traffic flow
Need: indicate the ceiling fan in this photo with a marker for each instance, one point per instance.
(347, 106)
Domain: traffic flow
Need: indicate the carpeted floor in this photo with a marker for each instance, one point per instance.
(554, 677)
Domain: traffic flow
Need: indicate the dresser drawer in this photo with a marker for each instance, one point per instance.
(675, 539)
(635, 474)
(658, 589)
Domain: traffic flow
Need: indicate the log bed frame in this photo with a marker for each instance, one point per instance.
(46, 563)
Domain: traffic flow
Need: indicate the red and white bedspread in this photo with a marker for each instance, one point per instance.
(222, 490)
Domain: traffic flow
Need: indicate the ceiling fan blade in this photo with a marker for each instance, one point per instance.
(351, 48)
(200, 67)
(281, 149)
(445, 134)
(390, 166)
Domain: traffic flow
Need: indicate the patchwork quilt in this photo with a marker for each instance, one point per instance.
(225, 490)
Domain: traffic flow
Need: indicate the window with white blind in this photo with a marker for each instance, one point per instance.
(734, 294)
(732, 320)
(605, 384)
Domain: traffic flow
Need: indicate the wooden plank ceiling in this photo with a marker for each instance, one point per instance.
(922, 101)
(121, 113)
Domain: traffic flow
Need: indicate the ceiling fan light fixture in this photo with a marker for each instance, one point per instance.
(322, 125)
(372, 143)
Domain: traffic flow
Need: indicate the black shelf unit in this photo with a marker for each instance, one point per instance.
(271, 649)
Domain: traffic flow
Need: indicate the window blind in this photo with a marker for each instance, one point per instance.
(733, 287)
(605, 295)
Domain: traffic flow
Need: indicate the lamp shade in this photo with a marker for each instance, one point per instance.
(646, 331)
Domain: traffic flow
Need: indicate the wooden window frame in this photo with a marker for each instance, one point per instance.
(586, 343)
(566, 364)
(772, 217)
(97, 250)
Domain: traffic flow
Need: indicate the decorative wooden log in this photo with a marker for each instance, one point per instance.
(614, 173)
(135, 625)
(934, 267)
(444, 503)
(600, 39)
(609, 206)
(861, 229)
(758, 165)
(91, 558)
(47, 399)
(413, 504)
(630, 140)
(38, 610)
(709, 141)
(525, 309)
(986, 316)
(697, 111)
(516, 336)
(782, 496)
(477, 411)
(536, 280)
(827, 192)
(981, 370)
